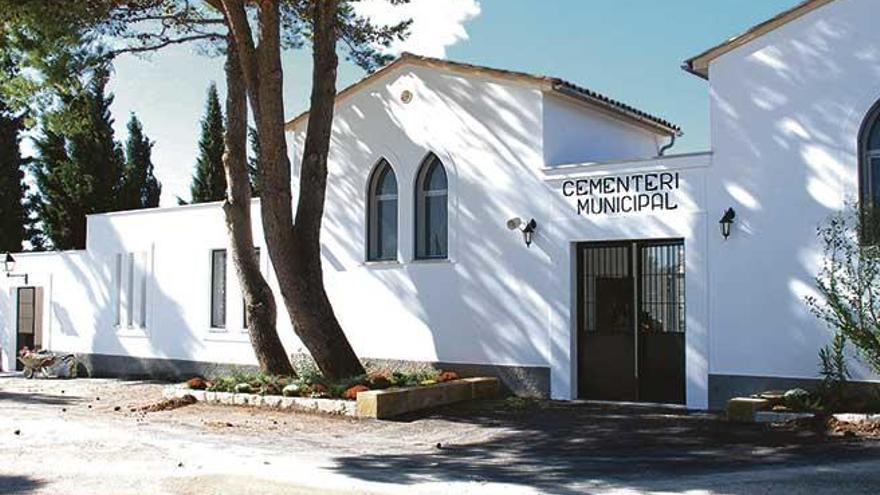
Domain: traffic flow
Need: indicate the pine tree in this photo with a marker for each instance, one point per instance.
(78, 170)
(209, 180)
(140, 189)
(13, 213)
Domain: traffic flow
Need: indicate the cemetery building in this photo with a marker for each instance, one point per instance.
(517, 225)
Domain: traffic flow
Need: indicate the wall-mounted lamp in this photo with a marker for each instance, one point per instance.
(9, 266)
(726, 222)
(527, 228)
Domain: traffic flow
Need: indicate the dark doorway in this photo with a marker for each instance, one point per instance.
(25, 321)
(631, 321)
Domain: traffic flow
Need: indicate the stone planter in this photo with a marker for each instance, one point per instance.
(377, 404)
(325, 406)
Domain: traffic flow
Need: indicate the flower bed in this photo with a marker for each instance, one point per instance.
(380, 393)
(377, 404)
(325, 406)
(310, 384)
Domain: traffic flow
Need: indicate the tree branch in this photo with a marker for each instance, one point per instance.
(166, 43)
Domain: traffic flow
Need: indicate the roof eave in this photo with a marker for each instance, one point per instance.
(564, 89)
(613, 107)
(699, 64)
(690, 69)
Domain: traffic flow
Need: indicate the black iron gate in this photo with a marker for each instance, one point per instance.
(631, 321)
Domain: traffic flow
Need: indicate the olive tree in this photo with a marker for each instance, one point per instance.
(849, 284)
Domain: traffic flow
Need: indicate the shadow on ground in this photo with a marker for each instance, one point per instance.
(549, 445)
(37, 398)
(10, 485)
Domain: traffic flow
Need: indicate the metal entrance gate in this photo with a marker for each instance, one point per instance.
(631, 321)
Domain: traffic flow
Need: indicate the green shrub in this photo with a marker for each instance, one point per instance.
(848, 282)
(798, 399)
(306, 368)
(835, 374)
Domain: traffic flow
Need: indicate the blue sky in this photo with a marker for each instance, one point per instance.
(630, 50)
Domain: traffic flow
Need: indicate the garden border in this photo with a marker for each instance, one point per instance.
(378, 404)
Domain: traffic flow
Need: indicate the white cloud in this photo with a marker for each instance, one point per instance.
(437, 24)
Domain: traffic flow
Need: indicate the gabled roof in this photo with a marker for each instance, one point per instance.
(699, 65)
(555, 85)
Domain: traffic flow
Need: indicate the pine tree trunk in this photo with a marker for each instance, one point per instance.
(295, 247)
(259, 300)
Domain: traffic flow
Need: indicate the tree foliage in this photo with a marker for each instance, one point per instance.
(55, 47)
(140, 188)
(209, 179)
(82, 169)
(849, 285)
(13, 213)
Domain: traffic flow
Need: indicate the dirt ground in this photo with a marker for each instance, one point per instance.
(93, 436)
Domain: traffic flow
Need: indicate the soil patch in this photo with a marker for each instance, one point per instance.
(170, 404)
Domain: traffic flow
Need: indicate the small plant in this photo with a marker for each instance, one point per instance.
(849, 285)
(378, 381)
(835, 374)
(351, 393)
(306, 368)
(798, 399)
(196, 383)
(447, 376)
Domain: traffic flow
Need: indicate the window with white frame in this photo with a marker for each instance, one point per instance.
(218, 288)
(131, 272)
(432, 216)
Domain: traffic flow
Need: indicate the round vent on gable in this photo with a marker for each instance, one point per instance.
(406, 96)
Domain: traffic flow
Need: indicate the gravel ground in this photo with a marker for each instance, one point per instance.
(90, 436)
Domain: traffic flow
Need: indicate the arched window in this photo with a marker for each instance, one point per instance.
(431, 210)
(869, 176)
(382, 214)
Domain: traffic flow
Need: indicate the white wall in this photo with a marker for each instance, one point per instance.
(785, 115)
(80, 290)
(484, 304)
(572, 135)
(69, 290)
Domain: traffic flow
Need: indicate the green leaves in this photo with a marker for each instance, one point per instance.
(209, 180)
(13, 211)
(81, 169)
(849, 284)
(140, 188)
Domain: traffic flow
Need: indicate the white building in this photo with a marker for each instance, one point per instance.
(627, 290)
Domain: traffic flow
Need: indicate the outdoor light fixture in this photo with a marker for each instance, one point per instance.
(527, 228)
(9, 266)
(726, 221)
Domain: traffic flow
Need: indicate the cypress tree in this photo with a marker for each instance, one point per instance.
(140, 188)
(209, 180)
(13, 213)
(63, 187)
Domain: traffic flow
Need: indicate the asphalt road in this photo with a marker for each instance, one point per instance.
(82, 436)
